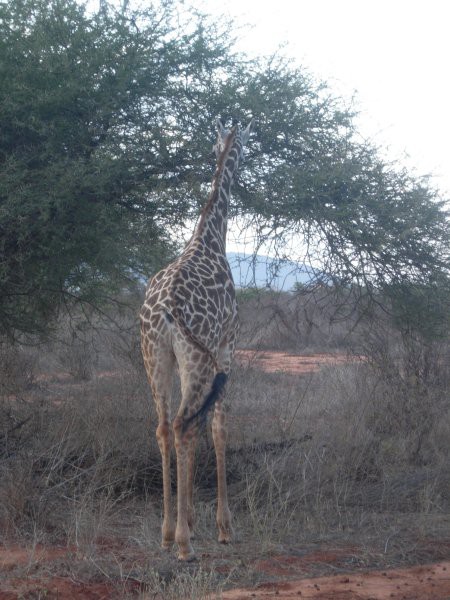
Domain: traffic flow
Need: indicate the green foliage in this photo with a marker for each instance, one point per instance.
(361, 219)
(71, 197)
(105, 132)
(421, 309)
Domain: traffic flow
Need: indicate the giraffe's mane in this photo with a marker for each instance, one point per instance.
(219, 170)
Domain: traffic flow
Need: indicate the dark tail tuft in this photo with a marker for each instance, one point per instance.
(217, 386)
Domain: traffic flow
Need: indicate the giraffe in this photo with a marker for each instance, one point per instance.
(189, 319)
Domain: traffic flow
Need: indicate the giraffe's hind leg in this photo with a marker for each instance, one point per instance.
(220, 436)
(196, 372)
(183, 441)
(159, 362)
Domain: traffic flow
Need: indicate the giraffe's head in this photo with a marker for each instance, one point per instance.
(242, 137)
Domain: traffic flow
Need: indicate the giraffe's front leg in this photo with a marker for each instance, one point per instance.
(219, 432)
(182, 532)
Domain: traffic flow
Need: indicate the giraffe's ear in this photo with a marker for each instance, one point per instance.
(247, 131)
(220, 128)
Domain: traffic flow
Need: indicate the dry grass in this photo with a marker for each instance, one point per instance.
(197, 585)
(332, 474)
(357, 451)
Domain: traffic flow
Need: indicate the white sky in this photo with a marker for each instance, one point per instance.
(393, 53)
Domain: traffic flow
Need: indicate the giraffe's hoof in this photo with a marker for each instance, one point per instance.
(225, 537)
(187, 556)
(185, 550)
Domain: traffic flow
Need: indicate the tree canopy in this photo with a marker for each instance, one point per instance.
(106, 126)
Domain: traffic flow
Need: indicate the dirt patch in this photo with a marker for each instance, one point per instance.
(57, 588)
(15, 556)
(287, 565)
(276, 362)
(430, 582)
(34, 573)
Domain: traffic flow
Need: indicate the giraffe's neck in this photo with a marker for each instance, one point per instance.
(213, 220)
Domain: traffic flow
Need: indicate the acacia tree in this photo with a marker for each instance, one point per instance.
(83, 150)
(105, 131)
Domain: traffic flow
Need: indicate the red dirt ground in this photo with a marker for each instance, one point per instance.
(425, 582)
(26, 561)
(58, 588)
(274, 362)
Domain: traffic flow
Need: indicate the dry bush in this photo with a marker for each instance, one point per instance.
(16, 496)
(121, 348)
(305, 321)
(85, 344)
(74, 346)
(338, 453)
(88, 441)
(18, 368)
(78, 358)
(86, 446)
(415, 374)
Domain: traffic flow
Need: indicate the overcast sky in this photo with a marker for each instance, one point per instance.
(393, 53)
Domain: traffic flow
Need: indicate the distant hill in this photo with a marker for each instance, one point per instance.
(262, 271)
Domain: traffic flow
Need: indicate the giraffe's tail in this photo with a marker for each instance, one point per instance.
(199, 417)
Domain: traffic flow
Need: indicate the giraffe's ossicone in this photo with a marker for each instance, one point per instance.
(189, 318)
